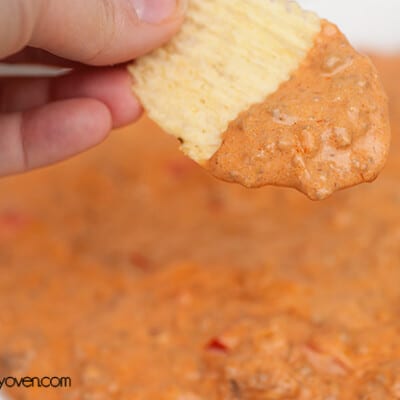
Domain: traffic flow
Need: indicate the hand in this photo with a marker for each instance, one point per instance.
(46, 120)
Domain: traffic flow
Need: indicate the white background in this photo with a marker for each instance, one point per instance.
(369, 24)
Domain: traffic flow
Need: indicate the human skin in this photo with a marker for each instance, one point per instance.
(45, 120)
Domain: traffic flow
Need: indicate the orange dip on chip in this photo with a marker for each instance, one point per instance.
(325, 129)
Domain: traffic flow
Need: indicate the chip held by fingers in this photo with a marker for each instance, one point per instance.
(261, 92)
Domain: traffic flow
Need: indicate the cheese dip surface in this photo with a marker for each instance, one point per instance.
(140, 276)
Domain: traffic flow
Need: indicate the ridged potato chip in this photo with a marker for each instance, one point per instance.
(262, 92)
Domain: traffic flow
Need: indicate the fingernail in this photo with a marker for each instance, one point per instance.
(156, 11)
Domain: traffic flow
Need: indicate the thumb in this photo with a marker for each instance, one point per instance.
(95, 32)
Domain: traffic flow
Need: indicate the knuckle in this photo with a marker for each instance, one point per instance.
(24, 17)
(107, 18)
